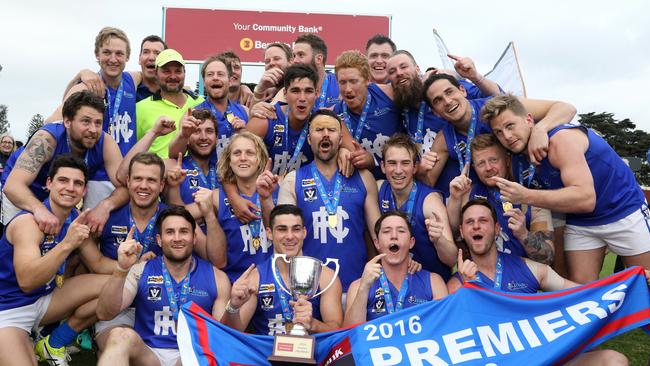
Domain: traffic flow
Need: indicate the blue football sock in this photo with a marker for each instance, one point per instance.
(62, 336)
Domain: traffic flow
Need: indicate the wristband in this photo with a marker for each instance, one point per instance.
(230, 309)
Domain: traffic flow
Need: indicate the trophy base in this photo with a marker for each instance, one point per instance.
(293, 350)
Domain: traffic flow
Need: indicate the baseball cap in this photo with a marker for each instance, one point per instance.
(168, 56)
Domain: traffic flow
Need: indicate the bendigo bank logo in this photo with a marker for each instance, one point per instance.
(246, 44)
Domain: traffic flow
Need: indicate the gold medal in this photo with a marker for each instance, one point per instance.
(230, 117)
(59, 281)
(506, 206)
(288, 326)
(332, 220)
(256, 243)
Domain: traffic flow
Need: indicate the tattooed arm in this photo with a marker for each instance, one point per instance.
(38, 151)
(539, 243)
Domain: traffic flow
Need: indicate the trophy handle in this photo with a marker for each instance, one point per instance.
(336, 273)
(279, 281)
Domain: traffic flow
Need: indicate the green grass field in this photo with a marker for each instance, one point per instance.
(635, 344)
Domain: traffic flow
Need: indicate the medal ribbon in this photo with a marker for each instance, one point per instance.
(530, 171)
(287, 311)
(211, 180)
(221, 116)
(388, 297)
(255, 225)
(322, 98)
(362, 119)
(148, 237)
(498, 273)
(171, 294)
(114, 111)
(463, 159)
(299, 144)
(333, 204)
(59, 237)
(410, 203)
(418, 138)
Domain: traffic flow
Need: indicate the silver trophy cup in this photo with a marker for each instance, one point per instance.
(304, 278)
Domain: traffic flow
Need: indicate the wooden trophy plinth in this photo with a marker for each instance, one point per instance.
(293, 350)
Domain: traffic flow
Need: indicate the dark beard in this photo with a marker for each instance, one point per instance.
(408, 96)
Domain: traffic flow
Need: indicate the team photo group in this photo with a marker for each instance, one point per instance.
(387, 184)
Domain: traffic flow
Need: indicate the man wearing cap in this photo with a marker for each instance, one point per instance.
(171, 102)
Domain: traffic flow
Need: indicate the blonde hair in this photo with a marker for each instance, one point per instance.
(497, 105)
(226, 175)
(353, 59)
(106, 34)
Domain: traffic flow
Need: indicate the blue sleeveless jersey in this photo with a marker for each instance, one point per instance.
(431, 123)
(268, 318)
(224, 128)
(94, 158)
(424, 251)
(275, 144)
(419, 292)
(117, 228)
(193, 181)
(11, 296)
(122, 127)
(154, 321)
(509, 243)
(242, 252)
(331, 93)
(456, 140)
(382, 121)
(516, 276)
(345, 241)
(617, 192)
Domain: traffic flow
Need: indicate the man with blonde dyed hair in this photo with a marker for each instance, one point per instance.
(581, 176)
(370, 117)
(526, 231)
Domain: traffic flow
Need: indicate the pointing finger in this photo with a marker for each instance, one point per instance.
(465, 171)
(179, 160)
(378, 257)
(453, 57)
(269, 164)
(248, 271)
(129, 236)
(460, 257)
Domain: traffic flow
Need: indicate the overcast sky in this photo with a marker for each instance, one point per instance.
(594, 54)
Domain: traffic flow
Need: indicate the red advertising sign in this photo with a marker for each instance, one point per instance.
(199, 33)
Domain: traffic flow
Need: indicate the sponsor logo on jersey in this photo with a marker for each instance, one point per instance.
(116, 229)
(267, 287)
(385, 204)
(278, 128)
(155, 280)
(198, 292)
(308, 182)
(192, 173)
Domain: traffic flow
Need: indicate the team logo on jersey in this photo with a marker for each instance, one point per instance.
(119, 240)
(154, 293)
(194, 183)
(310, 194)
(192, 173)
(381, 111)
(379, 306)
(277, 139)
(414, 300)
(198, 292)
(154, 280)
(308, 182)
(116, 229)
(266, 302)
(385, 204)
(267, 287)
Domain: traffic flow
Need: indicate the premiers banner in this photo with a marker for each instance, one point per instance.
(476, 326)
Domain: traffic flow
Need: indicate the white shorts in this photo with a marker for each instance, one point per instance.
(167, 356)
(9, 210)
(626, 237)
(125, 318)
(98, 190)
(26, 317)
